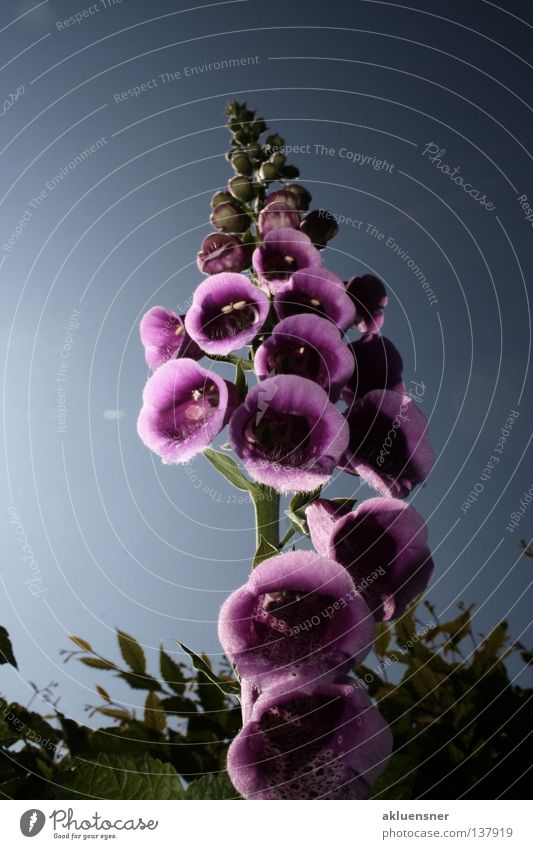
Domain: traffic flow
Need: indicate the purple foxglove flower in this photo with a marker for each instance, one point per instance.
(308, 346)
(227, 312)
(283, 252)
(277, 216)
(288, 434)
(378, 365)
(370, 298)
(389, 445)
(320, 226)
(184, 407)
(319, 292)
(282, 626)
(222, 252)
(329, 744)
(164, 337)
(382, 544)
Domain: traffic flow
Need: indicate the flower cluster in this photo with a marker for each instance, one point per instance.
(304, 619)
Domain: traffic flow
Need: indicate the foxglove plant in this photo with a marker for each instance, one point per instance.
(303, 620)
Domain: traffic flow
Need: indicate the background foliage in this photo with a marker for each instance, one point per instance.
(462, 728)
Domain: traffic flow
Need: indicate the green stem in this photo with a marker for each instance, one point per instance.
(288, 536)
(266, 503)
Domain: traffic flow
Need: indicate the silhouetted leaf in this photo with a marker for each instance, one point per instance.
(6, 649)
(132, 652)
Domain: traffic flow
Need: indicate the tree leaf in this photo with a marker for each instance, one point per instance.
(382, 639)
(230, 688)
(264, 551)
(171, 672)
(229, 469)
(103, 693)
(6, 649)
(212, 787)
(154, 713)
(81, 643)
(121, 777)
(140, 682)
(132, 652)
(97, 663)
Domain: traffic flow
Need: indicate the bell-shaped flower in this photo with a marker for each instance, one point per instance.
(319, 292)
(389, 443)
(308, 346)
(297, 621)
(283, 252)
(378, 365)
(184, 408)
(164, 337)
(288, 434)
(227, 312)
(382, 544)
(329, 744)
(370, 298)
(222, 252)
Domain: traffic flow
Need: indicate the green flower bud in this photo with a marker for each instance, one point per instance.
(241, 187)
(220, 197)
(278, 159)
(275, 140)
(268, 171)
(241, 163)
(290, 172)
(254, 150)
(230, 218)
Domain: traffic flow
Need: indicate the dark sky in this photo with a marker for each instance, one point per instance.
(109, 535)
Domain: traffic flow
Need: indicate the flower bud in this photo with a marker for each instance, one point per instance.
(230, 218)
(274, 140)
(241, 188)
(254, 150)
(290, 172)
(278, 159)
(301, 193)
(220, 197)
(277, 215)
(283, 196)
(320, 226)
(222, 252)
(268, 171)
(241, 163)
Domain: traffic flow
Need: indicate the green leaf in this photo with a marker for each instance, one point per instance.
(264, 551)
(154, 713)
(103, 693)
(6, 649)
(212, 787)
(383, 638)
(230, 688)
(140, 682)
(179, 705)
(297, 507)
(115, 713)
(121, 777)
(132, 652)
(229, 469)
(240, 382)
(171, 672)
(81, 643)
(97, 663)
